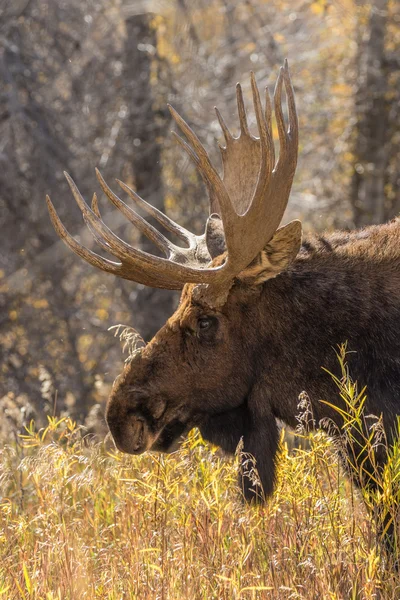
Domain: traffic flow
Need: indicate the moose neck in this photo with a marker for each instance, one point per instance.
(331, 295)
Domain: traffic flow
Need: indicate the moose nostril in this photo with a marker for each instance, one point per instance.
(137, 430)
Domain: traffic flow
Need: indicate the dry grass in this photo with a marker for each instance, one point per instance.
(78, 521)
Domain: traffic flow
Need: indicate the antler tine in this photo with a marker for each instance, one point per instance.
(293, 130)
(95, 208)
(227, 134)
(268, 120)
(91, 257)
(214, 206)
(209, 174)
(165, 221)
(213, 199)
(288, 140)
(267, 158)
(244, 129)
(144, 227)
(95, 205)
(280, 121)
(268, 109)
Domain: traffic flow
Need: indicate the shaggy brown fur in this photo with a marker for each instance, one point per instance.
(233, 371)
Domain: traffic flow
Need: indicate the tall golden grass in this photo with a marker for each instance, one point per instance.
(78, 520)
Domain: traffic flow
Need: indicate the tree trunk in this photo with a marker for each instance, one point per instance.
(372, 141)
(146, 126)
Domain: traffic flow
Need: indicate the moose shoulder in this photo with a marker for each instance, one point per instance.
(261, 310)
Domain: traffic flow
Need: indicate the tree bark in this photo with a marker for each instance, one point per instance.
(372, 141)
(146, 127)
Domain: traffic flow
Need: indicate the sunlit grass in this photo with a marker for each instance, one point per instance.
(80, 521)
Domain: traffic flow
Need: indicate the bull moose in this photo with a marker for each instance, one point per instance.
(261, 310)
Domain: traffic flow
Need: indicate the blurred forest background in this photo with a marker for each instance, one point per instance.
(85, 83)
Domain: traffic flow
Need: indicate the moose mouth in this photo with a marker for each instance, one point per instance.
(135, 436)
(169, 438)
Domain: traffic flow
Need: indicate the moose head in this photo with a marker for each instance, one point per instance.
(200, 362)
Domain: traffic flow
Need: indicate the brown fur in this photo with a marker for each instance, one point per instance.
(267, 344)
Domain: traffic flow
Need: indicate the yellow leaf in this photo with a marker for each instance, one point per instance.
(28, 582)
(169, 202)
(341, 89)
(102, 314)
(157, 21)
(249, 47)
(40, 303)
(317, 8)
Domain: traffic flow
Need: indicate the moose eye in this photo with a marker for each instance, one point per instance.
(206, 324)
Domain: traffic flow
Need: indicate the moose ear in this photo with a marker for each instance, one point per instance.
(215, 237)
(277, 255)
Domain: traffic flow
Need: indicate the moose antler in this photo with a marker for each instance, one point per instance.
(250, 199)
